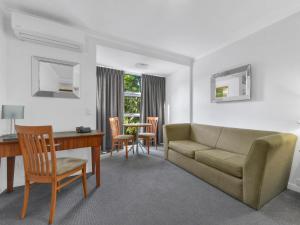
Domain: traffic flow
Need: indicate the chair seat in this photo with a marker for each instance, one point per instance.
(187, 147)
(124, 137)
(227, 162)
(64, 165)
(147, 135)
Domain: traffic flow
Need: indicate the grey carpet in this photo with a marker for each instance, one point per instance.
(146, 191)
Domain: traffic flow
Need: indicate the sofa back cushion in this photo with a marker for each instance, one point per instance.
(205, 134)
(239, 140)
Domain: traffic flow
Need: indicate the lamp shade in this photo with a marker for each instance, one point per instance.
(12, 112)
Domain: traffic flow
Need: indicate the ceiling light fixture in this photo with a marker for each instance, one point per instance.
(141, 65)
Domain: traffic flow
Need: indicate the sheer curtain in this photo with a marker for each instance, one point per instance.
(153, 100)
(109, 100)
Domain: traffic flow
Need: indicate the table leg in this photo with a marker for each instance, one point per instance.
(10, 173)
(93, 160)
(137, 141)
(0, 169)
(97, 165)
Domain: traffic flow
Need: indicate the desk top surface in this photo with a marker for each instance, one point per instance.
(64, 134)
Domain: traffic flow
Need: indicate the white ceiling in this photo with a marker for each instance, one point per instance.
(126, 61)
(189, 27)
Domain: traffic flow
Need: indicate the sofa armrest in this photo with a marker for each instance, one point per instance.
(173, 132)
(267, 168)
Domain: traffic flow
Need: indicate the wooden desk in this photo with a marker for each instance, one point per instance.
(66, 141)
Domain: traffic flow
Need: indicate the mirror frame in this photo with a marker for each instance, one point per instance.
(35, 78)
(247, 70)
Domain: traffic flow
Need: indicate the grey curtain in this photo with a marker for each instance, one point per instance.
(153, 100)
(109, 100)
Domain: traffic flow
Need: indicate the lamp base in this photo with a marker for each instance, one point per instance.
(9, 137)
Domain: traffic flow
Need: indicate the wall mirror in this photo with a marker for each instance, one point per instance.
(55, 78)
(231, 85)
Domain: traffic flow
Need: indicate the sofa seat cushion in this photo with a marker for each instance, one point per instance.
(187, 147)
(227, 162)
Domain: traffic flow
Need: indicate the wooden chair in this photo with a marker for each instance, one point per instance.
(151, 132)
(42, 167)
(118, 139)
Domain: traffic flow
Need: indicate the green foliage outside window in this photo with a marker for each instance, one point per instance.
(132, 104)
(129, 119)
(132, 83)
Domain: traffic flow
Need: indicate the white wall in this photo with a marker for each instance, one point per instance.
(63, 114)
(178, 97)
(274, 54)
(3, 53)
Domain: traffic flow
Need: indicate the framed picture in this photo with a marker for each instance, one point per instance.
(231, 85)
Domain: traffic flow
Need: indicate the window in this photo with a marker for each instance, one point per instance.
(132, 100)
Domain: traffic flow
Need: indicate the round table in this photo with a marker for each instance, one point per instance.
(138, 126)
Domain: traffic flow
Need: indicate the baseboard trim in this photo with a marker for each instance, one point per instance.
(293, 187)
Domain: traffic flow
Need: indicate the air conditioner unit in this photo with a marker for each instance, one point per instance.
(45, 32)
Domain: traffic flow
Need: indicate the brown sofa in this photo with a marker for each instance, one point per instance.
(250, 165)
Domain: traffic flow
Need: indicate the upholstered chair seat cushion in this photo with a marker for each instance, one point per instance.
(227, 162)
(64, 165)
(187, 147)
(124, 137)
(147, 135)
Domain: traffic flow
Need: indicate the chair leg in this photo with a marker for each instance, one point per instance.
(155, 140)
(26, 198)
(126, 148)
(132, 142)
(84, 185)
(148, 145)
(118, 146)
(112, 148)
(53, 202)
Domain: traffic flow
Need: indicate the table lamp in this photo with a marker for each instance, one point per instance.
(12, 112)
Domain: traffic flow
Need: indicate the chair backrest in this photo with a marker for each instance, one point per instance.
(35, 143)
(114, 126)
(154, 123)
